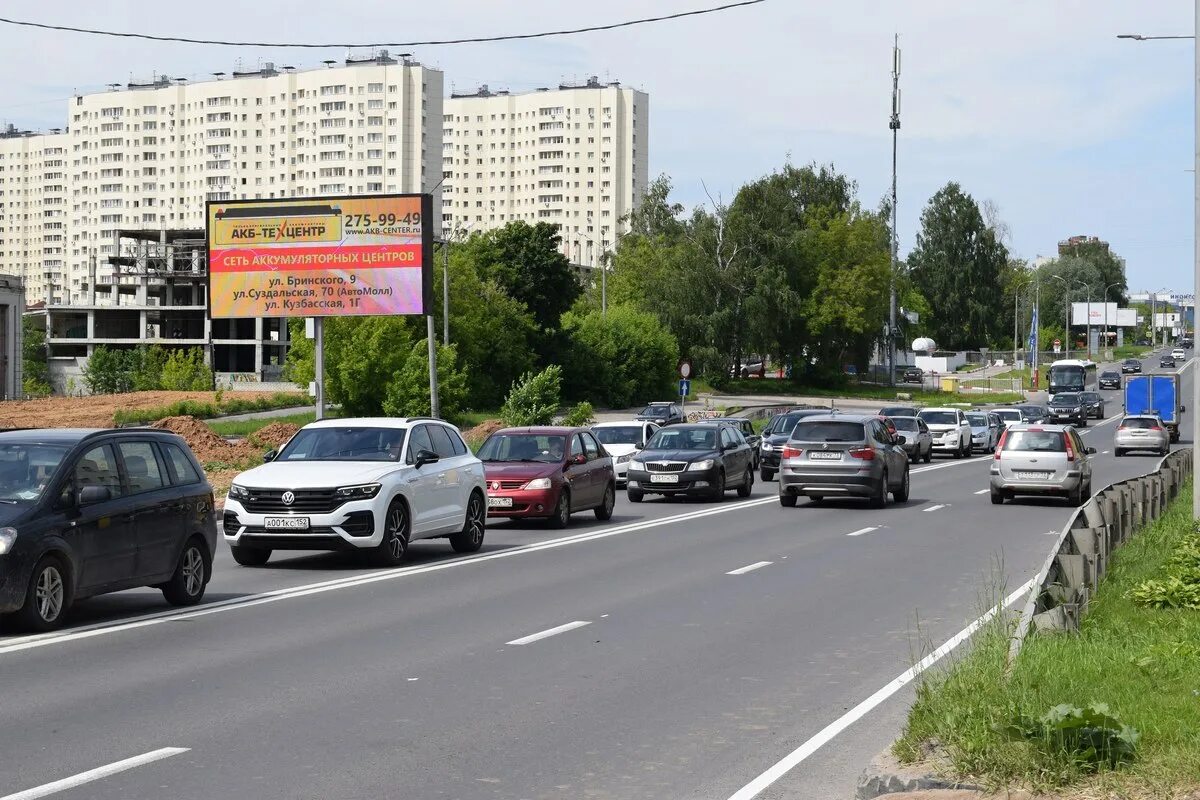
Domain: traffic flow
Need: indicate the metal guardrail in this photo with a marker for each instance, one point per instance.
(1079, 558)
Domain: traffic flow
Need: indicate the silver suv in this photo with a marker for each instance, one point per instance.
(1142, 432)
(1042, 460)
(843, 455)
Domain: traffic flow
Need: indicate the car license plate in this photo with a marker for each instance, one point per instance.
(1033, 476)
(286, 523)
(499, 502)
(664, 479)
(821, 455)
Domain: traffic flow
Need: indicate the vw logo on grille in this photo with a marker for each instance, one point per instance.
(495, 485)
(288, 498)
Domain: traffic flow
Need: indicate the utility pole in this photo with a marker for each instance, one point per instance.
(431, 337)
(894, 124)
(445, 290)
(1195, 404)
(319, 366)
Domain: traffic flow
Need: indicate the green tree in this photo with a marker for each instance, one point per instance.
(619, 359)
(108, 370)
(407, 392)
(298, 366)
(958, 263)
(362, 357)
(184, 370)
(147, 365)
(534, 399)
(35, 369)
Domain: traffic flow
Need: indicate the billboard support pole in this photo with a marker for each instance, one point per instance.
(319, 365)
(434, 408)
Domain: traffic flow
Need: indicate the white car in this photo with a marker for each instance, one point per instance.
(1178, 354)
(950, 428)
(622, 440)
(368, 484)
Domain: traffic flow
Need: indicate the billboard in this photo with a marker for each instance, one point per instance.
(320, 257)
(1102, 314)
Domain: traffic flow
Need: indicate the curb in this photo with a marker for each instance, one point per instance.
(886, 776)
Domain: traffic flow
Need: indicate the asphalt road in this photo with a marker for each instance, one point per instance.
(677, 651)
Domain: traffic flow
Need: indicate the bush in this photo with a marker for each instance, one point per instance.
(407, 392)
(185, 371)
(204, 410)
(108, 371)
(579, 415)
(147, 364)
(619, 359)
(534, 399)
(34, 368)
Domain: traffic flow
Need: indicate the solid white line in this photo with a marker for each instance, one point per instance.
(537, 637)
(826, 734)
(861, 531)
(750, 567)
(983, 491)
(937, 507)
(95, 774)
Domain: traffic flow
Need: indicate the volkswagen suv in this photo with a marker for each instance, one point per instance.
(370, 485)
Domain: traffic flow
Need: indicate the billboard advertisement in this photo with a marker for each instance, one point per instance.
(1102, 314)
(320, 257)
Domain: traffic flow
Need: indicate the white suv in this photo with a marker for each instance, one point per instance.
(366, 484)
(950, 428)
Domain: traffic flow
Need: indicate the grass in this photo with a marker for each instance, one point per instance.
(862, 392)
(1131, 351)
(1143, 663)
(224, 405)
(245, 427)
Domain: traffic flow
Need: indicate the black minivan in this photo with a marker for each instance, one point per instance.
(87, 512)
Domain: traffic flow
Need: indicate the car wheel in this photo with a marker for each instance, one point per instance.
(47, 598)
(787, 499)
(1075, 496)
(1165, 451)
(718, 490)
(470, 538)
(604, 511)
(394, 545)
(958, 451)
(766, 474)
(249, 556)
(1083, 422)
(747, 483)
(186, 586)
(634, 495)
(1119, 453)
(929, 454)
(901, 494)
(881, 496)
(562, 511)
(997, 497)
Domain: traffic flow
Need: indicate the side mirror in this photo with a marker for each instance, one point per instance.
(1091, 451)
(269, 456)
(426, 457)
(91, 495)
(579, 459)
(638, 446)
(901, 439)
(1182, 409)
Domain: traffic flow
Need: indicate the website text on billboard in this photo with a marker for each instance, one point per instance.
(320, 257)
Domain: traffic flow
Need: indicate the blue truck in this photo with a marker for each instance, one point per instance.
(1155, 394)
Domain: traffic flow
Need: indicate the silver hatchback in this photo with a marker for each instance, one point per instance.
(1142, 432)
(1042, 459)
(843, 455)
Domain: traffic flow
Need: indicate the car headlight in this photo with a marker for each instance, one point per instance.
(538, 483)
(624, 458)
(766, 447)
(8, 536)
(239, 492)
(1077, 409)
(700, 466)
(361, 492)
(635, 464)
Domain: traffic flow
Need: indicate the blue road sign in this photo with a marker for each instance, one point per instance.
(685, 387)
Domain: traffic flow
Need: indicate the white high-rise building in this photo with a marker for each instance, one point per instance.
(33, 209)
(575, 156)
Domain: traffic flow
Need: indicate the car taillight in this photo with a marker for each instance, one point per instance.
(1156, 428)
(791, 452)
(865, 453)
(1070, 447)
(1000, 445)
(1122, 428)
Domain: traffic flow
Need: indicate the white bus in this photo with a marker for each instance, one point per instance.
(1071, 375)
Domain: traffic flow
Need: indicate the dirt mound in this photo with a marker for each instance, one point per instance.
(207, 445)
(274, 435)
(96, 411)
(483, 430)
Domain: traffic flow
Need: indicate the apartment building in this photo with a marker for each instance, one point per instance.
(575, 156)
(33, 209)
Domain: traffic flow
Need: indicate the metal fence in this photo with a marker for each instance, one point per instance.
(1079, 558)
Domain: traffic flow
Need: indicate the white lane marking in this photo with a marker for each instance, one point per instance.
(983, 491)
(750, 567)
(936, 507)
(861, 531)
(537, 637)
(826, 734)
(18, 644)
(1051, 533)
(96, 774)
(1103, 452)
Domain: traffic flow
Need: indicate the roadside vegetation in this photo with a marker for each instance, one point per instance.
(223, 404)
(245, 427)
(1114, 710)
(852, 391)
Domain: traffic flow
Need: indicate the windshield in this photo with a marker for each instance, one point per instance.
(1009, 414)
(1110, 374)
(1065, 399)
(1090, 397)
(897, 411)
(350, 443)
(905, 423)
(656, 411)
(1066, 378)
(684, 439)
(939, 417)
(626, 434)
(828, 432)
(978, 420)
(523, 447)
(783, 425)
(26, 470)
(1040, 441)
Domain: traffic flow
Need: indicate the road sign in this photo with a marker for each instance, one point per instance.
(685, 368)
(685, 387)
(1058, 345)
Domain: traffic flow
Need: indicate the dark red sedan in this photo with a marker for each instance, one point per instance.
(548, 472)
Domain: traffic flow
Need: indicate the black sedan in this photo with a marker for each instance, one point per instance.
(745, 427)
(1093, 404)
(703, 460)
(1167, 362)
(1068, 408)
(1110, 379)
(1131, 365)
(913, 375)
(775, 436)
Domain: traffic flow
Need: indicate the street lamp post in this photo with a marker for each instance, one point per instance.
(1105, 301)
(1067, 308)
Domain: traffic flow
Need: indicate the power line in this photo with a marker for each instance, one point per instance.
(429, 43)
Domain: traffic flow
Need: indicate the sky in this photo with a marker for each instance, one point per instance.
(1034, 105)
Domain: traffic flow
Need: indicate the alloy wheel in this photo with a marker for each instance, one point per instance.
(193, 571)
(49, 593)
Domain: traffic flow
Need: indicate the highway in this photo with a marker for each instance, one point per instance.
(678, 651)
